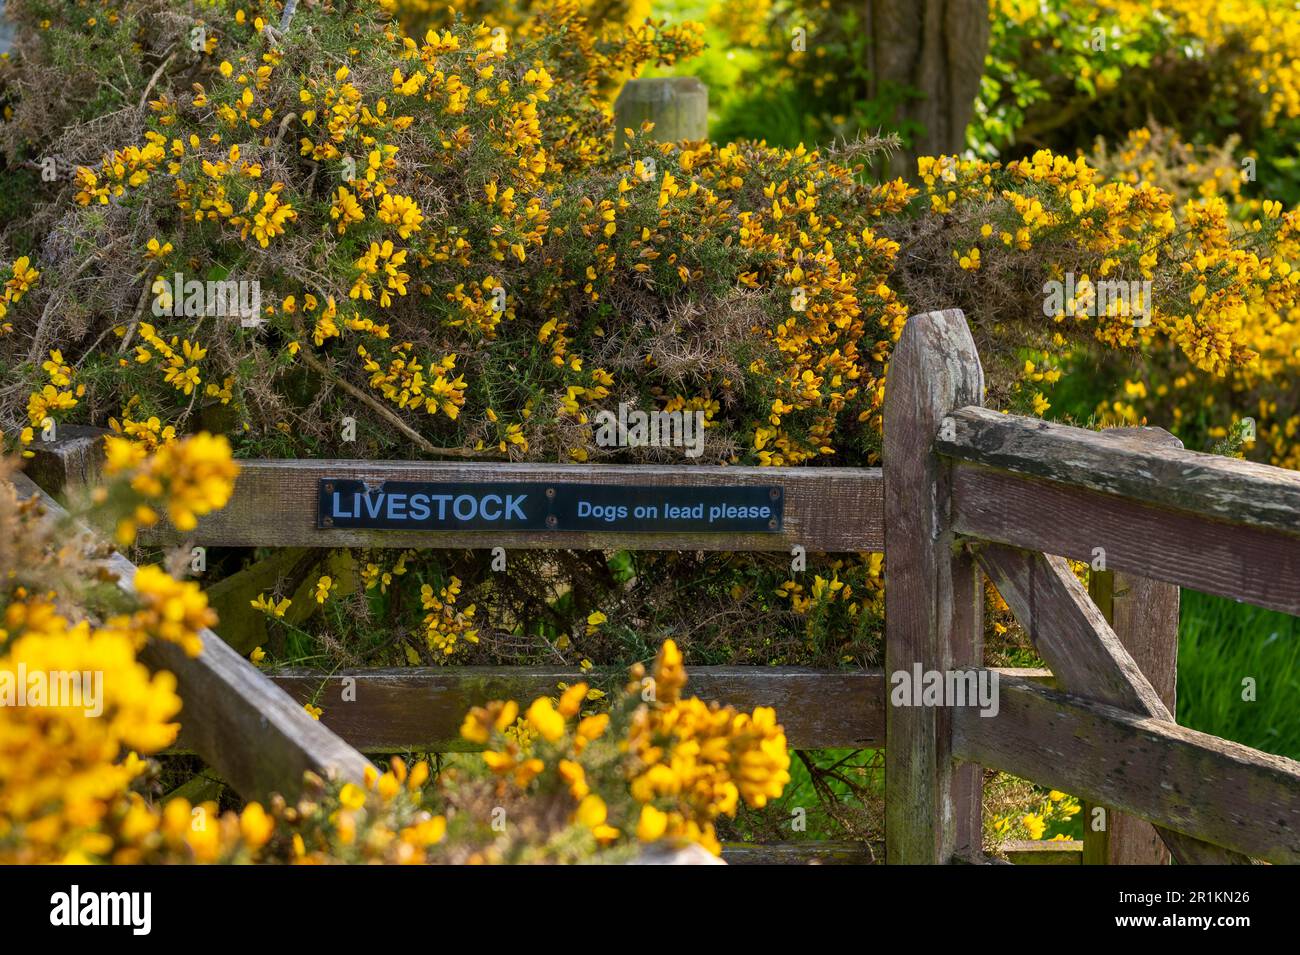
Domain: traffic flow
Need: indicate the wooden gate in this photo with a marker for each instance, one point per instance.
(964, 490)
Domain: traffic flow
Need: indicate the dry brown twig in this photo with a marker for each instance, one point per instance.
(388, 414)
(144, 97)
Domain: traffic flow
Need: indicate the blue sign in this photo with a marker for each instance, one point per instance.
(424, 506)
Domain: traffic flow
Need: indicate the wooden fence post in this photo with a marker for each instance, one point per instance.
(1144, 615)
(933, 593)
(677, 105)
(69, 463)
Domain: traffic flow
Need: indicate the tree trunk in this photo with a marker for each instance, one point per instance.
(928, 55)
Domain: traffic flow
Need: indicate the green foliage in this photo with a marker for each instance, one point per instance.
(1222, 643)
(833, 795)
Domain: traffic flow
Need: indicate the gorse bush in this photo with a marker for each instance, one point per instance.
(447, 248)
(441, 230)
(1208, 411)
(684, 763)
(66, 765)
(529, 19)
(1215, 96)
(1203, 276)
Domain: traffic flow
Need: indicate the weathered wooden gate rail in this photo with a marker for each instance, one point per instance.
(420, 709)
(274, 505)
(1203, 521)
(965, 491)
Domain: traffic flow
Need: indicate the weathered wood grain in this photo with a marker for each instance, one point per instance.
(420, 709)
(1084, 653)
(1212, 789)
(1144, 615)
(1044, 852)
(1255, 564)
(274, 505)
(857, 853)
(251, 732)
(1067, 629)
(70, 462)
(933, 595)
(818, 853)
(798, 853)
(1212, 485)
(1096, 831)
(677, 105)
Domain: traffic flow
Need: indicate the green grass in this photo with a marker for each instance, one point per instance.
(1221, 644)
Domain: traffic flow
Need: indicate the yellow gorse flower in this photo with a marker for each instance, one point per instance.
(682, 763)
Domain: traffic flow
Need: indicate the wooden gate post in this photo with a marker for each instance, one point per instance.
(933, 594)
(677, 105)
(1144, 615)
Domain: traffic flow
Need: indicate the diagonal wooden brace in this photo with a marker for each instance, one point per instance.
(1084, 653)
